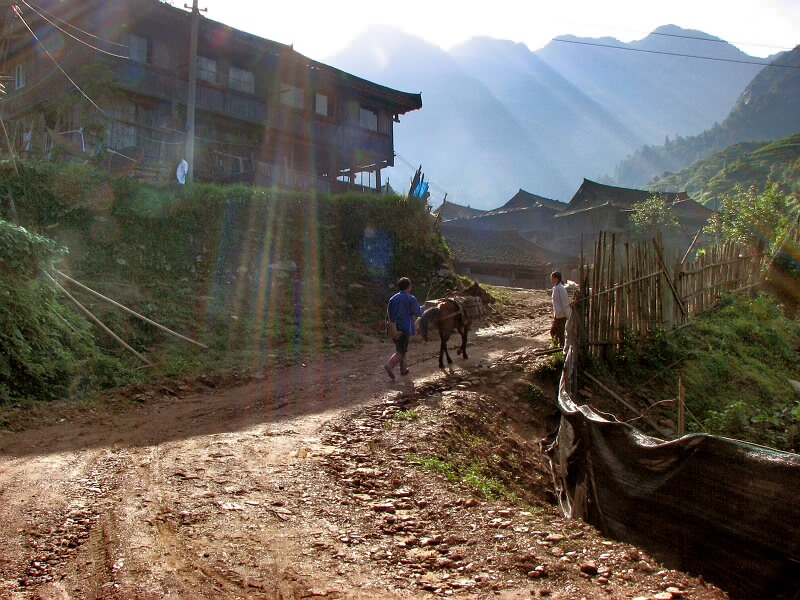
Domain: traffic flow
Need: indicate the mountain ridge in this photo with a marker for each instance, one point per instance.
(767, 109)
(497, 116)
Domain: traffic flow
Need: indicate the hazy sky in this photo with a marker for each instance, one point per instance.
(319, 29)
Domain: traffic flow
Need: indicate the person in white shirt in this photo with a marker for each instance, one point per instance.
(561, 309)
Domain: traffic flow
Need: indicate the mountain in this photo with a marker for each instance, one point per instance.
(463, 135)
(497, 116)
(769, 108)
(744, 164)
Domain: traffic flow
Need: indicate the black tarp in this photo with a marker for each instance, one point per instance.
(722, 508)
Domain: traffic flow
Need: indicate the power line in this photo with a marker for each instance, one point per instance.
(39, 8)
(430, 183)
(92, 102)
(716, 40)
(18, 12)
(65, 32)
(729, 60)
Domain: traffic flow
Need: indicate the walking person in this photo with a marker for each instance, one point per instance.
(561, 309)
(403, 307)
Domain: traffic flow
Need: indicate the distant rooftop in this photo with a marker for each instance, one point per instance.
(498, 248)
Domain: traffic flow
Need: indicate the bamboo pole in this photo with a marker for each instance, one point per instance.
(624, 402)
(98, 322)
(694, 241)
(681, 406)
(129, 311)
(666, 275)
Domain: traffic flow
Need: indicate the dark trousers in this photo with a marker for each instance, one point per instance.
(557, 330)
(401, 343)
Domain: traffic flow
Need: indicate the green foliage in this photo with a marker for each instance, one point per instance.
(741, 165)
(22, 252)
(405, 415)
(46, 350)
(736, 362)
(534, 394)
(262, 276)
(48, 195)
(653, 216)
(472, 475)
(754, 219)
(767, 110)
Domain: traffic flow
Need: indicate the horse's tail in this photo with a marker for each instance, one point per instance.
(430, 315)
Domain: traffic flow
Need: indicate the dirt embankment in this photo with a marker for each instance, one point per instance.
(320, 480)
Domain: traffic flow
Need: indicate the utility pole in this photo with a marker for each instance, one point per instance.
(191, 99)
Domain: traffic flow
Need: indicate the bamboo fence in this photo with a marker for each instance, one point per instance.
(629, 289)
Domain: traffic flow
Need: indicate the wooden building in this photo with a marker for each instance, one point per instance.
(596, 207)
(504, 257)
(264, 113)
(530, 215)
(450, 211)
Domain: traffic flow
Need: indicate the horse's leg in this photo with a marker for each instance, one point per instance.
(443, 351)
(464, 331)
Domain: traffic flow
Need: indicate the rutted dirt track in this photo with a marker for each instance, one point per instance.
(304, 483)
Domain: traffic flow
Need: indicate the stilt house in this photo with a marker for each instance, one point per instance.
(264, 113)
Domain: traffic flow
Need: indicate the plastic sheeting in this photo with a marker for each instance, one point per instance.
(724, 509)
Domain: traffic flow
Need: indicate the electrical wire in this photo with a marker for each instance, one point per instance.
(92, 102)
(39, 8)
(18, 12)
(430, 183)
(717, 40)
(72, 36)
(728, 60)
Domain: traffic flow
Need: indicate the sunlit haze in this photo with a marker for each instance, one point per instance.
(320, 29)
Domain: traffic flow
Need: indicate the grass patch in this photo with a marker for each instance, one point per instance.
(405, 415)
(735, 361)
(473, 475)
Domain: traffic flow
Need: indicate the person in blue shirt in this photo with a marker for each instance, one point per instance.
(403, 307)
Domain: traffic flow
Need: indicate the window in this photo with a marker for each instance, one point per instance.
(242, 80)
(139, 49)
(321, 104)
(368, 119)
(206, 69)
(19, 76)
(292, 95)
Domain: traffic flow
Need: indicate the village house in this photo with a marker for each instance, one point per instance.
(526, 213)
(449, 211)
(265, 114)
(596, 207)
(504, 257)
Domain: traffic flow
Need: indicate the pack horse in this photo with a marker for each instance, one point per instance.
(454, 314)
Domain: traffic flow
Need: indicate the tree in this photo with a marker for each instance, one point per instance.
(756, 220)
(653, 216)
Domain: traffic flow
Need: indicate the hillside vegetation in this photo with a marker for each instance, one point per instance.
(737, 363)
(257, 275)
(769, 109)
(741, 165)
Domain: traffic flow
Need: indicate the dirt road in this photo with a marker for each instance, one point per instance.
(306, 482)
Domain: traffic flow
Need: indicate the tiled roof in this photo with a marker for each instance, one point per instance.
(451, 210)
(523, 219)
(524, 199)
(506, 248)
(593, 195)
